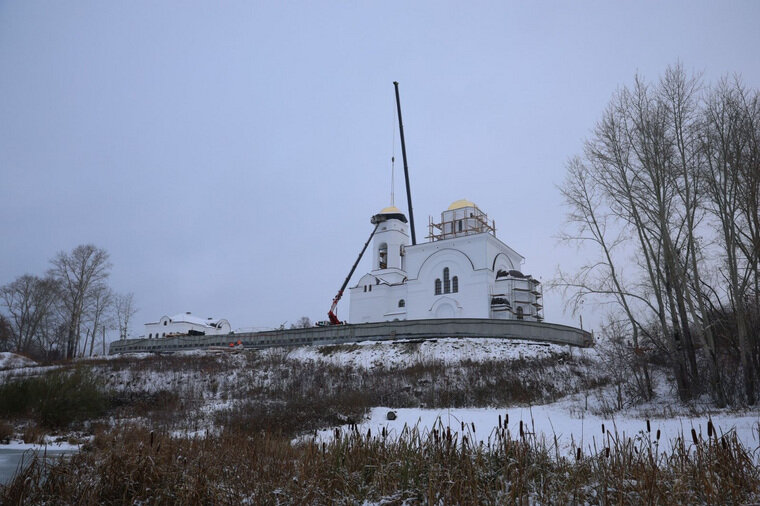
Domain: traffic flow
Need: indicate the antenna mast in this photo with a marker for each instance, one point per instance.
(406, 168)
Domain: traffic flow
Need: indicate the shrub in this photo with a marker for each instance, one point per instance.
(56, 399)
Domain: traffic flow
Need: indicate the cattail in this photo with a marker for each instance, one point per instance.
(506, 419)
(462, 426)
(603, 431)
(369, 433)
(607, 452)
(522, 433)
(723, 442)
(578, 454)
(710, 429)
(649, 427)
(694, 436)
(658, 434)
(473, 426)
(500, 420)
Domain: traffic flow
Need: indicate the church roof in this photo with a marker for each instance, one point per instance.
(190, 318)
(459, 204)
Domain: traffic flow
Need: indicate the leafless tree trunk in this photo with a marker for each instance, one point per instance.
(725, 142)
(680, 97)
(628, 154)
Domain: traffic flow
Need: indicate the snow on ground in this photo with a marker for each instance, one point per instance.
(50, 444)
(368, 354)
(554, 420)
(10, 360)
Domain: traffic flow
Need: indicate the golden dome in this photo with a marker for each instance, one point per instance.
(459, 204)
(390, 210)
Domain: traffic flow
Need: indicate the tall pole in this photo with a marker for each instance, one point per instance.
(406, 168)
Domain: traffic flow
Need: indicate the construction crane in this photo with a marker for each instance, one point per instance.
(379, 218)
(376, 220)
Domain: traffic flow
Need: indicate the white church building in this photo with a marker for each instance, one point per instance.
(464, 271)
(184, 324)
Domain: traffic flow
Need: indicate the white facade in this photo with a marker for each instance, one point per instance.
(186, 324)
(464, 271)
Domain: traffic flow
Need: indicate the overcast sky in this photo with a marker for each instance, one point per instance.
(229, 155)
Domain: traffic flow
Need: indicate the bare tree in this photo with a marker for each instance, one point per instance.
(725, 142)
(665, 162)
(593, 224)
(125, 309)
(6, 334)
(29, 302)
(79, 272)
(303, 323)
(101, 301)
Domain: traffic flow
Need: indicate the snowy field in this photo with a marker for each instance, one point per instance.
(570, 422)
(557, 422)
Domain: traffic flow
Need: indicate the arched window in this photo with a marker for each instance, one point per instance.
(446, 281)
(438, 287)
(163, 335)
(460, 225)
(402, 303)
(454, 284)
(382, 256)
(519, 311)
(150, 336)
(165, 323)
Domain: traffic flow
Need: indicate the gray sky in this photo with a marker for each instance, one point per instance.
(229, 155)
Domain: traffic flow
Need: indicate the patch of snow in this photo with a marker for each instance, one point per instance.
(10, 360)
(368, 354)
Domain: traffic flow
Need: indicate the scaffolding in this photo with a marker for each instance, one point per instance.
(460, 222)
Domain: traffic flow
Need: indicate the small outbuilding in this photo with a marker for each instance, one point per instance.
(184, 324)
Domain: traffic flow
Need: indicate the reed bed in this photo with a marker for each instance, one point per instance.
(133, 465)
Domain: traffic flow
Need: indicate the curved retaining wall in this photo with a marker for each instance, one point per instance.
(379, 331)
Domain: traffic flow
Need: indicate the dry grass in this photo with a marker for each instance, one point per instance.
(135, 465)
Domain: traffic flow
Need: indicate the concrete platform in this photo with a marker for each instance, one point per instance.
(380, 331)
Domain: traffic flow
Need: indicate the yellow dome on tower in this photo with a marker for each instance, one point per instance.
(459, 204)
(390, 210)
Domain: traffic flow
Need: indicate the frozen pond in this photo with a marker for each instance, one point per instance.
(12, 456)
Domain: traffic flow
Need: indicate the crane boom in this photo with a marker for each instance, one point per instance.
(331, 314)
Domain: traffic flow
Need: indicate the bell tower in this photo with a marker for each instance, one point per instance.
(391, 238)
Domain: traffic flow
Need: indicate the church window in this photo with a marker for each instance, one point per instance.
(438, 287)
(370, 288)
(519, 312)
(454, 284)
(164, 323)
(365, 288)
(460, 225)
(402, 303)
(163, 335)
(150, 336)
(446, 281)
